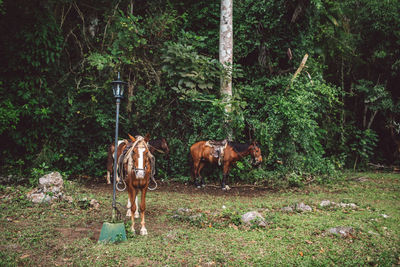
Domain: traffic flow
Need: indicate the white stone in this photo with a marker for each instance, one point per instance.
(302, 207)
(50, 188)
(341, 230)
(325, 203)
(252, 217)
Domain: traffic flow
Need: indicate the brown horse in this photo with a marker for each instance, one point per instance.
(159, 145)
(137, 168)
(110, 157)
(203, 153)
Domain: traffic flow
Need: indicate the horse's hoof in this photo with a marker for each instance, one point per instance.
(137, 215)
(128, 213)
(226, 188)
(203, 185)
(143, 231)
(133, 230)
(198, 186)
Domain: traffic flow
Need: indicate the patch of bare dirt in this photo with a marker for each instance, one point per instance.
(185, 188)
(135, 261)
(71, 234)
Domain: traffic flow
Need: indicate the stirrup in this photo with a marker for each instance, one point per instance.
(123, 183)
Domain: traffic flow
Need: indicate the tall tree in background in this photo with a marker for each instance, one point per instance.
(226, 55)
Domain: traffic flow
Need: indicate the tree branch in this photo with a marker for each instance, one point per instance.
(372, 119)
(299, 69)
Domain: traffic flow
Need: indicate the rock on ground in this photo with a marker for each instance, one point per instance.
(341, 230)
(254, 217)
(50, 188)
(326, 203)
(301, 207)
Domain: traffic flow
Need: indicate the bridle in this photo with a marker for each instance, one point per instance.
(253, 155)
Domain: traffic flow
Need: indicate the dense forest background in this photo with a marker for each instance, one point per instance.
(57, 110)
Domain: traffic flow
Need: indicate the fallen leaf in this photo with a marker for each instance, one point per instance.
(301, 253)
(309, 242)
(24, 256)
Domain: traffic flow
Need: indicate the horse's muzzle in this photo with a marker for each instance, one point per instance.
(256, 162)
(139, 173)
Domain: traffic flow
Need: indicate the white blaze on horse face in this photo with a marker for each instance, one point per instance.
(140, 168)
(141, 150)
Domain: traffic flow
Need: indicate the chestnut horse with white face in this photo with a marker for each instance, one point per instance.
(136, 164)
(159, 145)
(202, 153)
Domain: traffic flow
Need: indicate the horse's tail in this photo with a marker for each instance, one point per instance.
(191, 164)
(110, 156)
(110, 163)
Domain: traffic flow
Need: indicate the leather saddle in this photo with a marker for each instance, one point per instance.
(218, 148)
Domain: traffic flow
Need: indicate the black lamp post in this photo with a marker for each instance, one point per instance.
(118, 90)
(114, 232)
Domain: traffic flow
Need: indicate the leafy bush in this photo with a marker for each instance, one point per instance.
(57, 109)
(290, 125)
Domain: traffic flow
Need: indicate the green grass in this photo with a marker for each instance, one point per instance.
(65, 234)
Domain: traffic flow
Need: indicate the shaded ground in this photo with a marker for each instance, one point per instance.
(184, 188)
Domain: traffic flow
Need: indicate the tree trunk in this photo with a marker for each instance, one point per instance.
(226, 56)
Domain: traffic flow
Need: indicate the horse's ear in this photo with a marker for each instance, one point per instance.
(147, 137)
(132, 138)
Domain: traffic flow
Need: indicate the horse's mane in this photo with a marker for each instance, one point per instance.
(156, 142)
(239, 147)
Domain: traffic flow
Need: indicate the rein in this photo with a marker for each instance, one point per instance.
(158, 150)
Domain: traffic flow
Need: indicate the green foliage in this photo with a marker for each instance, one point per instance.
(36, 173)
(9, 116)
(233, 216)
(57, 109)
(290, 125)
(363, 145)
(375, 98)
(124, 46)
(188, 72)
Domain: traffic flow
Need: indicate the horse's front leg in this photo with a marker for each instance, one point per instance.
(132, 195)
(137, 207)
(128, 206)
(143, 230)
(225, 175)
